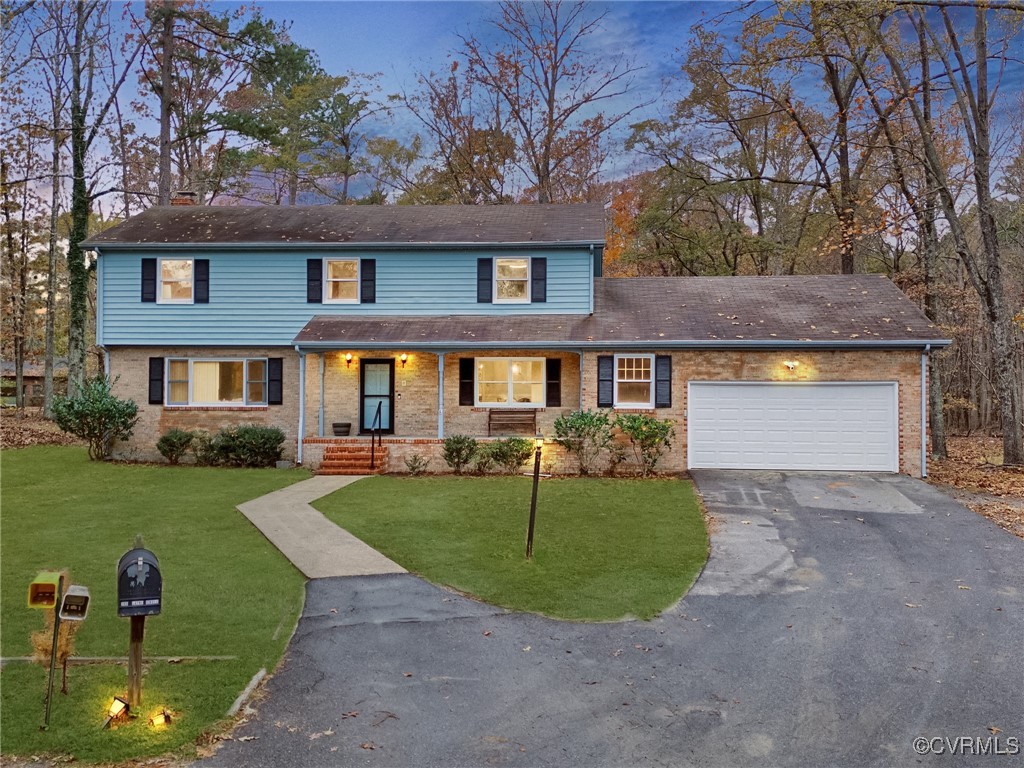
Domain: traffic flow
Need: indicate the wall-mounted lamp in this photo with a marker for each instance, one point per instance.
(348, 359)
(163, 717)
(118, 708)
(403, 357)
(791, 364)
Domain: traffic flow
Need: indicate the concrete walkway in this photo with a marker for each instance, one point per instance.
(314, 544)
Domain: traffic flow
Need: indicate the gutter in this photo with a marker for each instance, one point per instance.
(631, 344)
(322, 246)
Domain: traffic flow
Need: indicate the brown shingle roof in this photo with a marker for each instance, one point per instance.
(383, 224)
(825, 310)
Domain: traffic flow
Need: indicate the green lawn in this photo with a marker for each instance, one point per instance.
(603, 548)
(227, 592)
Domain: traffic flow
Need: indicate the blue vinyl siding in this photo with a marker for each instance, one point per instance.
(260, 297)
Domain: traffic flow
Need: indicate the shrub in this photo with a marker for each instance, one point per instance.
(416, 464)
(511, 453)
(484, 458)
(96, 416)
(457, 451)
(173, 444)
(204, 450)
(250, 445)
(649, 436)
(584, 434)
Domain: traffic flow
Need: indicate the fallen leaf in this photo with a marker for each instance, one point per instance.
(407, 674)
(993, 730)
(248, 738)
(384, 715)
(526, 648)
(353, 713)
(912, 605)
(745, 522)
(368, 745)
(334, 610)
(963, 587)
(487, 633)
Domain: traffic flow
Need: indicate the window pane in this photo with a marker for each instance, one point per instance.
(493, 392)
(343, 290)
(178, 370)
(205, 382)
(178, 393)
(341, 270)
(512, 289)
(176, 269)
(513, 268)
(231, 380)
(634, 369)
(178, 290)
(257, 370)
(256, 392)
(528, 393)
(493, 370)
(635, 393)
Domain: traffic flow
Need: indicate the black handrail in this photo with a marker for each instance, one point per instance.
(375, 433)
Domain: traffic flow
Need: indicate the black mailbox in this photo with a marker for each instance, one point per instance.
(139, 584)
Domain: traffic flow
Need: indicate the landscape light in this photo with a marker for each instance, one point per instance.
(118, 708)
(163, 717)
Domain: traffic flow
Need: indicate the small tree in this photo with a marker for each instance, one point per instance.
(457, 451)
(650, 438)
(96, 416)
(584, 434)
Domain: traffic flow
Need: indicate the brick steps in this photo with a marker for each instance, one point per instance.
(353, 460)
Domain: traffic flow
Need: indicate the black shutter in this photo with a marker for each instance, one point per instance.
(314, 281)
(201, 279)
(539, 279)
(554, 381)
(484, 271)
(368, 281)
(275, 378)
(466, 380)
(156, 381)
(663, 381)
(149, 279)
(605, 381)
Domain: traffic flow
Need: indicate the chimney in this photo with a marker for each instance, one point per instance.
(183, 197)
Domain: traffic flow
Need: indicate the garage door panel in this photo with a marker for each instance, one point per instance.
(764, 425)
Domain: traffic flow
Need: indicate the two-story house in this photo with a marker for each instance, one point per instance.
(419, 322)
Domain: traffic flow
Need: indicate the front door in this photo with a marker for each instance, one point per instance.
(377, 388)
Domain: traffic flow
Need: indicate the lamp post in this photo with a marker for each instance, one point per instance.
(539, 442)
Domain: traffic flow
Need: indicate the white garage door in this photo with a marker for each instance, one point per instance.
(760, 425)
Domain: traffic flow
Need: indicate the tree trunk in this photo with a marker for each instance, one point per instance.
(166, 94)
(78, 273)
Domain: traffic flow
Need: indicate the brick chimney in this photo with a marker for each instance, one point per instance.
(183, 197)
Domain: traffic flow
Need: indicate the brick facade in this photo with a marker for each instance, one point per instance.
(416, 404)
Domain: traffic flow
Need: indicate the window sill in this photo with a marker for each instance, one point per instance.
(499, 407)
(216, 408)
(634, 409)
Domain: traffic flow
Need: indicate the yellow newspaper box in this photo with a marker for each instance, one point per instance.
(42, 592)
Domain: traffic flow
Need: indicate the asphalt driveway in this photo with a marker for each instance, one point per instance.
(838, 619)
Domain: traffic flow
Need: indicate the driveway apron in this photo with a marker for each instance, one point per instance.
(839, 618)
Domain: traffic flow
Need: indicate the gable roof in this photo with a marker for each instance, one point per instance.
(395, 225)
(820, 310)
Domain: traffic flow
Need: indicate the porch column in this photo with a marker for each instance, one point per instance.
(320, 422)
(440, 395)
(302, 405)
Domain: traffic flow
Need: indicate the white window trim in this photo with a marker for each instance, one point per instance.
(510, 360)
(160, 282)
(326, 283)
(529, 282)
(615, 379)
(191, 380)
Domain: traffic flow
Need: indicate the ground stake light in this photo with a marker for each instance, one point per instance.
(118, 708)
(163, 717)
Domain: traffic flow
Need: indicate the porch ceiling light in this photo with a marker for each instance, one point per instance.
(791, 364)
(403, 357)
(348, 359)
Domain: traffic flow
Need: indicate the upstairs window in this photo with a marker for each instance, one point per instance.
(176, 281)
(341, 281)
(634, 381)
(512, 281)
(510, 381)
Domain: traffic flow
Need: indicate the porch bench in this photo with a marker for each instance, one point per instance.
(503, 421)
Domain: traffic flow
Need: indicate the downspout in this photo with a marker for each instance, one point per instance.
(440, 395)
(302, 404)
(580, 353)
(924, 410)
(320, 423)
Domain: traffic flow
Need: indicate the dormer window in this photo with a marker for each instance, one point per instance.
(511, 281)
